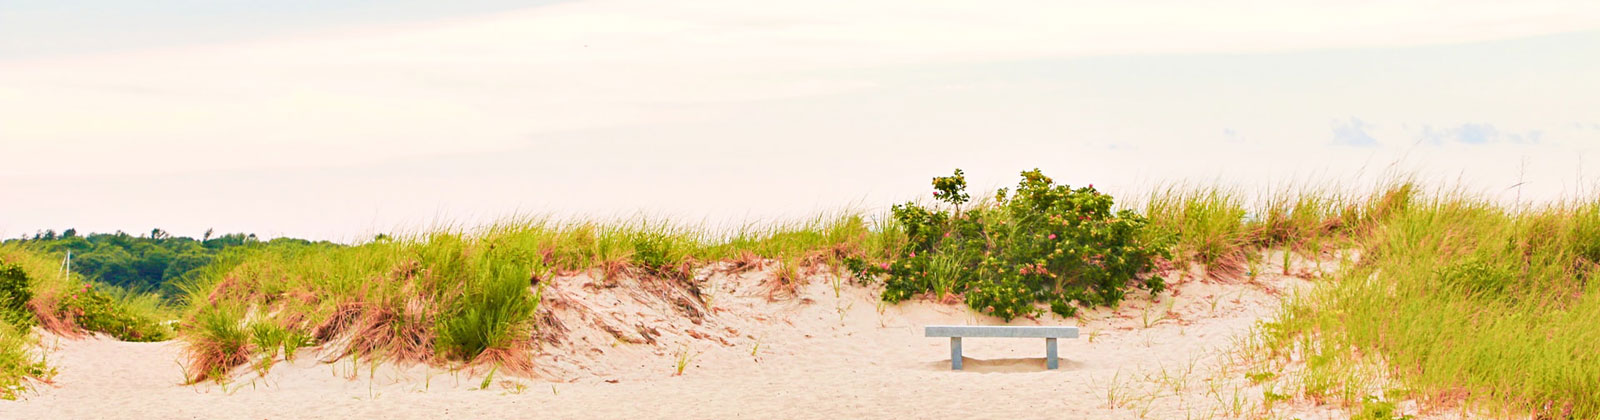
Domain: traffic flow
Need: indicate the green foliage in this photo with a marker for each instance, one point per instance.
(20, 359)
(15, 292)
(154, 262)
(1373, 408)
(951, 189)
(1044, 243)
(101, 311)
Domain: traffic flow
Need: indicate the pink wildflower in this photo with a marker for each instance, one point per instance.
(885, 266)
(1052, 236)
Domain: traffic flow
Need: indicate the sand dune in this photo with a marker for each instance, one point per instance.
(820, 352)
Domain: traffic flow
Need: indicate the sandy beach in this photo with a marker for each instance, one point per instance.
(818, 352)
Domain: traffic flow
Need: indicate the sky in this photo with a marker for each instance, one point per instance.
(339, 119)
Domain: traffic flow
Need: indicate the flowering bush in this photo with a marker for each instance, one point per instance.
(1041, 244)
(94, 310)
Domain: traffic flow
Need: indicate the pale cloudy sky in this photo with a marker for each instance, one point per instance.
(336, 119)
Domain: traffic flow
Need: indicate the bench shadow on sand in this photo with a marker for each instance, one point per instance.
(1005, 365)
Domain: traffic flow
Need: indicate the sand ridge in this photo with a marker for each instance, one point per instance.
(610, 348)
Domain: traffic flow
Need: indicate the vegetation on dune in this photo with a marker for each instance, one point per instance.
(1463, 301)
(18, 361)
(459, 297)
(1455, 298)
(1041, 244)
(156, 262)
(112, 288)
(68, 304)
(35, 292)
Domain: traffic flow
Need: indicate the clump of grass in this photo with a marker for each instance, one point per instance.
(217, 343)
(1207, 226)
(1292, 218)
(682, 359)
(1373, 408)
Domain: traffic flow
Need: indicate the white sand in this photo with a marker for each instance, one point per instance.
(819, 356)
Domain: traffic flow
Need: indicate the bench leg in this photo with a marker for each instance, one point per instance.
(1050, 361)
(955, 353)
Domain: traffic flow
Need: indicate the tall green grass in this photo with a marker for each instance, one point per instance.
(466, 296)
(1206, 225)
(1220, 229)
(1463, 301)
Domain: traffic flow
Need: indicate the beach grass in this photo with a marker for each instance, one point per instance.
(455, 297)
(1462, 301)
(1451, 298)
(20, 361)
(1460, 298)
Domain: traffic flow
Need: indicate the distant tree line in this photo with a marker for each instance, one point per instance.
(155, 262)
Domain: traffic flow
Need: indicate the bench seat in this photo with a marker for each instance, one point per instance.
(956, 332)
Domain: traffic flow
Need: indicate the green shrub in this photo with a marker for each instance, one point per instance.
(1043, 243)
(15, 292)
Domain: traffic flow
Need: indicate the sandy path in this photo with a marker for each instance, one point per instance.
(821, 356)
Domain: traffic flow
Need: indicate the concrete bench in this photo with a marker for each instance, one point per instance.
(955, 332)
